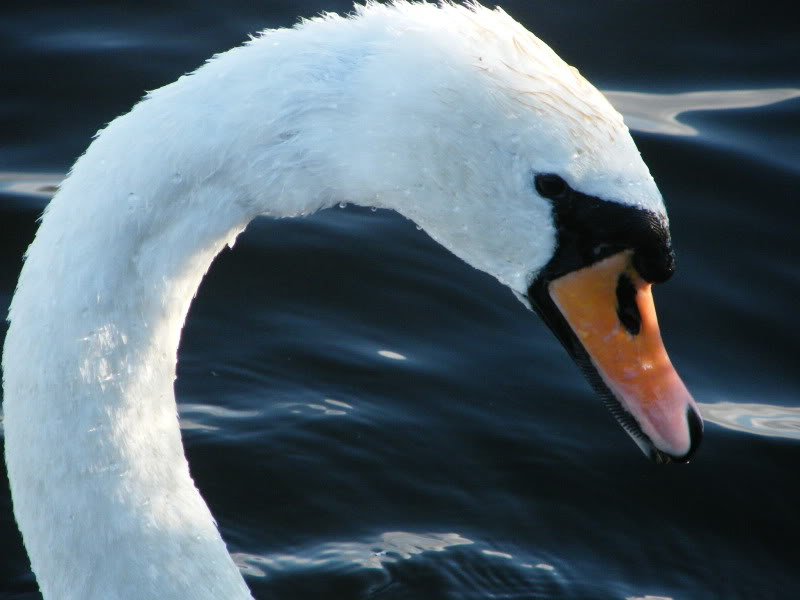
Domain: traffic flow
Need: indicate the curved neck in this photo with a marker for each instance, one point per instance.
(102, 490)
(292, 122)
(101, 487)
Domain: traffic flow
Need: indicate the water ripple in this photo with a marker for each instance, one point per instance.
(389, 547)
(760, 419)
(30, 186)
(206, 412)
(658, 113)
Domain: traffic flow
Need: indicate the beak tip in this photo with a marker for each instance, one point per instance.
(694, 423)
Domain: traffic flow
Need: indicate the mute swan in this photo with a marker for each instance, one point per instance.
(456, 117)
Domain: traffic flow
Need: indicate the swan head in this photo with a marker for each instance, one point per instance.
(476, 130)
(463, 121)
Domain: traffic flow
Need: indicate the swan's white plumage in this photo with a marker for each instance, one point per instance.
(440, 112)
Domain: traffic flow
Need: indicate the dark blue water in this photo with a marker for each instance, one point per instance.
(368, 417)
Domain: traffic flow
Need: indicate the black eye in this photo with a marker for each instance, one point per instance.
(550, 186)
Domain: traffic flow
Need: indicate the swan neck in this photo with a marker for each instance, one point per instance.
(101, 487)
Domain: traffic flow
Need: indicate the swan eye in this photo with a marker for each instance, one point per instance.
(550, 186)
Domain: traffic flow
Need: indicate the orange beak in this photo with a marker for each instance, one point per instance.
(609, 309)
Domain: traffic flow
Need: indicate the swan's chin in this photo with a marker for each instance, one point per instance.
(605, 317)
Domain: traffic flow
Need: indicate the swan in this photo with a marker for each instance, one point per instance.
(454, 116)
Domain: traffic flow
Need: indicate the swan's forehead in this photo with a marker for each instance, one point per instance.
(570, 127)
(561, 120)
(478, 83)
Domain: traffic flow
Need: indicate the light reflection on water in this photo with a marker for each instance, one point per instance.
(748, 417)
(516, 576)
(388, 547)
(41, 186)
(206, 412)
(328, 406)
(760, 419)
(658, 113)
